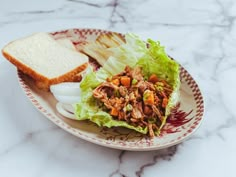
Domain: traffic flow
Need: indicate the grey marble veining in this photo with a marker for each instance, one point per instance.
(201, 35)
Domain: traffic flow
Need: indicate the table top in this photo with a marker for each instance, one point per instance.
(200, 35)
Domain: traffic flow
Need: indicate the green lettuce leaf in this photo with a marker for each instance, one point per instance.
(93, 79)
(113, 66)
(156, 61)
(126, 54)
(135, 52)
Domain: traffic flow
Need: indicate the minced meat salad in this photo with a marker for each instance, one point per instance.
(130, 97)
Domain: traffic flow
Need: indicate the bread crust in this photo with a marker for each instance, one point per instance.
(41, 81)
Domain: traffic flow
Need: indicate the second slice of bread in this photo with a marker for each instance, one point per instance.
(44, 59)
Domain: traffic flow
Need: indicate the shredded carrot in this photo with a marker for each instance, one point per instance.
(164, 102)
(153, 78)
(125, 81)
(116, 81)
(114, 112)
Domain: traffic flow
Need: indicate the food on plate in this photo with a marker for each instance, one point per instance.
(129, 97)
(97, 52)
(110, 40)
(66, 89)
(66, 92)
(136, 87)
(44, 59)
(99, 49)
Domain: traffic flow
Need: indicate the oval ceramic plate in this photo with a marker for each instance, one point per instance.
(184, 121)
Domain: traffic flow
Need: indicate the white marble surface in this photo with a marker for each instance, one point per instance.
(201, 35)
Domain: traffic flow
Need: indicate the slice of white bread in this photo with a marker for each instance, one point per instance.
(45, 60)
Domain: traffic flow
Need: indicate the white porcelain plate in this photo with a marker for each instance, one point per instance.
(184, 121)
